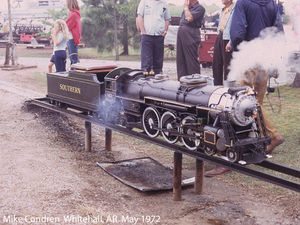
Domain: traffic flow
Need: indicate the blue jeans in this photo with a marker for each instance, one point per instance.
(73, 51)
(60, 60)
(152, 53)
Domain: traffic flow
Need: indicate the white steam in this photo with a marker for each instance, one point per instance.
(270, 51)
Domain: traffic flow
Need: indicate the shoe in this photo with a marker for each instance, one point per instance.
(216, 171)
(274, 143)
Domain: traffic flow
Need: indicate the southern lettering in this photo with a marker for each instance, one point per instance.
(68, 88)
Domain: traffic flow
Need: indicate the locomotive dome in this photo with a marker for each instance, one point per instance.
(193, 80)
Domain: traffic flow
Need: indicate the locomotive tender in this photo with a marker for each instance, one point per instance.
(214, 119)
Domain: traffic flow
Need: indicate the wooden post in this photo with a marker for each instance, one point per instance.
(88, 136)
(108, 135)
(199, 174)
(177, 176)
(10, 47)
(7, 54)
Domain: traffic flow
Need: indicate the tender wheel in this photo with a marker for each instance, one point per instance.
(166, 122)
(190, 143)
(209, 151)
(233, 156)
(151, 122)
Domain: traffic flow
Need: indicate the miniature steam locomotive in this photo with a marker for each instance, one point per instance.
(214, 119)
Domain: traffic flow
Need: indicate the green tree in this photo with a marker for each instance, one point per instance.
(98, 24)
(54, 14)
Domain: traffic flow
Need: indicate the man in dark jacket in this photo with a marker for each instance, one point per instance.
(188, 39)
(250, 17)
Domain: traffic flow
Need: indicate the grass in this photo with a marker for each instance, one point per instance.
(88, 53)
(134, 54)
(287, 123)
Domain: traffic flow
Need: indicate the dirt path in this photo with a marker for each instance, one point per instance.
(45, 174)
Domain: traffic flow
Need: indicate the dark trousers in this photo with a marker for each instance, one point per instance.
(221, 60)
(60, 60)
(152, 53)
(187, 51)
(72, 51)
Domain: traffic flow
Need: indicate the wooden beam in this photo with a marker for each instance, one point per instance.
(177, 174)
(88, 136)
(108, 136)
(199, 175)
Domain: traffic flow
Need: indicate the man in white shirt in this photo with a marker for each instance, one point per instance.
(153, 21)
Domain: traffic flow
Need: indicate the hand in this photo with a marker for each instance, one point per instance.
(186, 3)
(164, 33)
(228, 47)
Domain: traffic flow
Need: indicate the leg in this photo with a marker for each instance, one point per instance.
(58, 64)
(259, 82)
(51, 63)
(158, 54)
(64, 58)
(191, 38)
(260, 86)
(60, 60)
(72, 51)
(191, 56)
(146, 52)
(226, 59)
(180, 60)
(217, 64)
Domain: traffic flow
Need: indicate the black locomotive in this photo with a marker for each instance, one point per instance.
(214, 119)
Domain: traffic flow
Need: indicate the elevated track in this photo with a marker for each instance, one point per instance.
(292, 182)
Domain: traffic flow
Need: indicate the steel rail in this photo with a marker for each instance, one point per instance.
(253, 172)
(280, 168)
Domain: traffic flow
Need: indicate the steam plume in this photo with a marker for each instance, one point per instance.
(271, 51)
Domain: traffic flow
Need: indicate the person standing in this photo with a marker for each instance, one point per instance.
(60, 36)
(222, 48)
(74, 25)
(248, 20)
(153, 22)
(188, 39)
